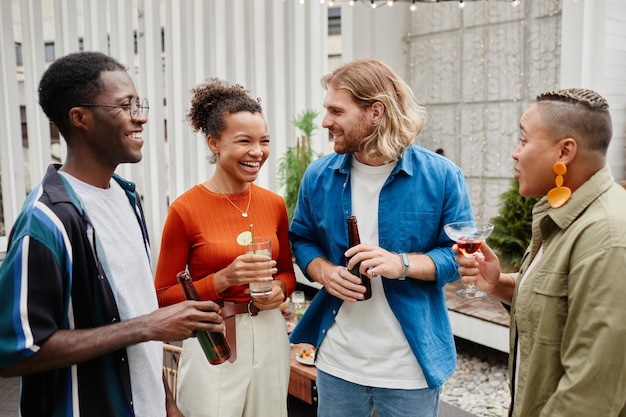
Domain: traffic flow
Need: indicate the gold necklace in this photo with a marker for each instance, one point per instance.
(243, 213)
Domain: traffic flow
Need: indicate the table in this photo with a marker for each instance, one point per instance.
(302, 378)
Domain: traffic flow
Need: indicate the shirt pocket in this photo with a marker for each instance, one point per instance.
(549, 306)
(417, 231)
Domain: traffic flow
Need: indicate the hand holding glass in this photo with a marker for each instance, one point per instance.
(469, 237)
(261, 246)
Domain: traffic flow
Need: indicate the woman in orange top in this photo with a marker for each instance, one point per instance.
(204, 232)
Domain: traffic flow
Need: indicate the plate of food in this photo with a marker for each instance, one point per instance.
(306, 356)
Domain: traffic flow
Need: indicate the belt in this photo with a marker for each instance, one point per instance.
(229, 309)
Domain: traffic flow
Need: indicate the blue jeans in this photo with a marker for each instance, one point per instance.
(340, 398)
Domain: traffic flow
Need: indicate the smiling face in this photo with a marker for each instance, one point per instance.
(535, 156)
(241, 150)
(346, 121)
(114, 137)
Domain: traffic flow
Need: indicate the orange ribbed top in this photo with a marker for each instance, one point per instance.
(201, 230)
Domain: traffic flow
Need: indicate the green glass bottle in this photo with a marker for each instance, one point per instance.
(214, 344)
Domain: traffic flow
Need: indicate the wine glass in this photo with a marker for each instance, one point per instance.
(469, 237)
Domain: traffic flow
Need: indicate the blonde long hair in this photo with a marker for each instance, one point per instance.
(369, 81)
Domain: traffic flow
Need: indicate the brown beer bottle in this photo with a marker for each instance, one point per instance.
(214, 344)
(353, 240)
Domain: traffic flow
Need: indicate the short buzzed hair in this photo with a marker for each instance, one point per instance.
(578, 113)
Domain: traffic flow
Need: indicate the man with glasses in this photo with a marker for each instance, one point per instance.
(79, 319)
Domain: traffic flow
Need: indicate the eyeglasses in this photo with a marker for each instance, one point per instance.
(133, 107)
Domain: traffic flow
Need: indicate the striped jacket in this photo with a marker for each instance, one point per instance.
(51, 279)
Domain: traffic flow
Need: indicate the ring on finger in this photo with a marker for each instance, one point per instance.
(373, 272)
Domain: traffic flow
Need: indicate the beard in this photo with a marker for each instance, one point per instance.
(353, 135)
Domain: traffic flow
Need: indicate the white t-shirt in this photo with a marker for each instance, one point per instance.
(366, 344)
(121, 249)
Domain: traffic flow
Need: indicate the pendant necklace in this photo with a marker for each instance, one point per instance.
(243, 213)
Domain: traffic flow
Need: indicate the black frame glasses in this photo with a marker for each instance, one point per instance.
(133, 107)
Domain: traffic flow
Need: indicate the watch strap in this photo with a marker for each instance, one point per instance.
(405, 266)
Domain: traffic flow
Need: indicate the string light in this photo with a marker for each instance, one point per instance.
(373, 4)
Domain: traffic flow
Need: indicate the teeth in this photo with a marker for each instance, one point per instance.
(135, 135)
(251, 164)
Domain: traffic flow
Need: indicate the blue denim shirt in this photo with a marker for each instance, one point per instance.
(423, 192)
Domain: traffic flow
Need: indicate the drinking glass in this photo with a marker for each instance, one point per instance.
(298, 300)
(261, 246)
(469, 237)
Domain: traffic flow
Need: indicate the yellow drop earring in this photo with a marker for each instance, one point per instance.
(559, 195)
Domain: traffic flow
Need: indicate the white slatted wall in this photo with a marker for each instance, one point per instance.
(275, 48)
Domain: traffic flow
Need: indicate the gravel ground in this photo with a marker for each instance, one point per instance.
(480, 383)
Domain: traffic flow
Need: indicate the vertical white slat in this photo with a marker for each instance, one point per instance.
(199, 37)
(177, 135)
(95, 19)
(259, 80)
(11, 151)
(203, 14)
(65, 39)
(239, 57)
(298, 57)
(152, 82)
(38, 127)
(317, 66)
(65, 27)
(222, 43)
(121, 32)
(276, 106)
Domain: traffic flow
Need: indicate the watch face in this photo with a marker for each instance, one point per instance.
(405, 259)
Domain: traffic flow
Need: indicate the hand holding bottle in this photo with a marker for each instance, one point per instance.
(354, 240)
(214, 344)
(180, 321)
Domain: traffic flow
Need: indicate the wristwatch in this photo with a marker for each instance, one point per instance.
(405, 266)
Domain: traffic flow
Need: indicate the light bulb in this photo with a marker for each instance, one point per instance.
(461, 4)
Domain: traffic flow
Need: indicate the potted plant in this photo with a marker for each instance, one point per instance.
(512, 232)
(294, 161)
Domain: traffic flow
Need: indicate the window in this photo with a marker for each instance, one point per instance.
(334, 20)
(49, 51)
(18, 54)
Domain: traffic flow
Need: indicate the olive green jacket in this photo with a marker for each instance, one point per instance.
(569, 315)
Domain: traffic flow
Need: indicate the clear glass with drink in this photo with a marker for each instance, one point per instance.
(298, 300)
(469, 237)
(261, 246)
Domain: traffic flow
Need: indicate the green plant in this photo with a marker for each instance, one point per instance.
(293, 162)
(512, 227)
